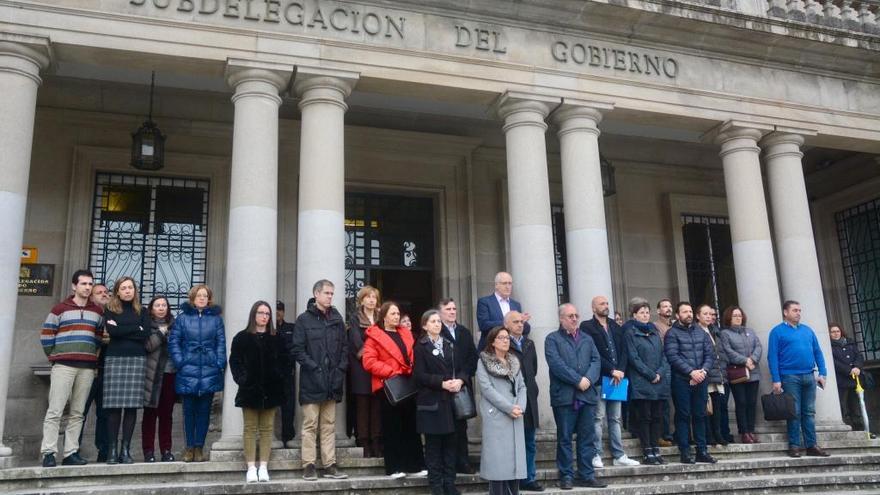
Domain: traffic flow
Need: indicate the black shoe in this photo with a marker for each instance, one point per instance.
(590, 483)
(167, 456)
(113, 456)
(565, 484)
(531, 486)
(102, 456)
(125, 454)
(149, 456)
(74, 460)
(704, 456)
(686, 458)
(465, 469)
(660, 459)
(49, 460)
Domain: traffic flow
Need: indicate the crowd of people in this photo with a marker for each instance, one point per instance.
(412, 391)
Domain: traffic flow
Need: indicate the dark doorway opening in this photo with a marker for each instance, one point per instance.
(389, 244)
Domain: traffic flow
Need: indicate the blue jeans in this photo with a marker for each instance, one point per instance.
(690, 403)
(196, 417)
(568, 423)
(611, 410)
(803, 389)
(531, 450)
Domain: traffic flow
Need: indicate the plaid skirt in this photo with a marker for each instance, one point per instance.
(124, 382)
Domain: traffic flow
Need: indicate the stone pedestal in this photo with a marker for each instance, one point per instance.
(21, 59)
(531, 231)
(796, 249)
(251, 255)
(586, 235)
(754, 265)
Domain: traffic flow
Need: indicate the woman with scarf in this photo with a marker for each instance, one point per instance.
(649, 378)
(502, 405)
(366, 405)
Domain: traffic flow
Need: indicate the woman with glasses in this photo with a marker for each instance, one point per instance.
(258, 362)
(502, 405)
(742, 348)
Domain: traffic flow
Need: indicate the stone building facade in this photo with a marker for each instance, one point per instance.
(424, 146)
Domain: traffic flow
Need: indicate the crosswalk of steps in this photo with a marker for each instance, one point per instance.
(761, 468)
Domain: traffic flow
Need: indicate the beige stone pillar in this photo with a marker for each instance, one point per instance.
(21, 59)
(754, 265)
(796, 251)
(531, 230)
(251, 253)
(320, 247)
(586, 235)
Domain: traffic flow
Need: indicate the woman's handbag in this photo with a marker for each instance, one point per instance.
(398, 388)
(737, 374)
(778, 407)
(463, 404)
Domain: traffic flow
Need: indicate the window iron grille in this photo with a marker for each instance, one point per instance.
(708, 252)
(153, 229)
(559, 253)
(858, 231)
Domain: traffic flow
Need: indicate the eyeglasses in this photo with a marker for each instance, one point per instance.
(573, 316)
(263, 313)
(516, 322)
(502, 339)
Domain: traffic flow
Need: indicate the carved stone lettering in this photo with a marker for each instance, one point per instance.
(614, 58)
(481, 39)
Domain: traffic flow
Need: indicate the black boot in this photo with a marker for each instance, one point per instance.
(660, 459)
(650, 458)
(703, 456)
(686, 458)
(113, 455)
(125, 454)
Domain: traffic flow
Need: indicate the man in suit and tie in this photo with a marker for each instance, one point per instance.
(492, 309)
(465, 361)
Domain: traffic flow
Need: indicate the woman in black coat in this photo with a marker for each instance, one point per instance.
(258, 362)
(847, 362)
(364, 404)
(649, 378)
(435, 417)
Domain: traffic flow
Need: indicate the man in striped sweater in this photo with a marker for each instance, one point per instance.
(70, 338)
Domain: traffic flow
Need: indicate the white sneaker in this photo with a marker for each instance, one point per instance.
(251, 476)
(625, 461)
(421, 474)
(263, 474)
(597, 462)
(397, 475)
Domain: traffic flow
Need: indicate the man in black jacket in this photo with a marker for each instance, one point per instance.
(608, 337)
(465, 362)
(321, 349)
(288, 407)
(691, 355)
(524, 349)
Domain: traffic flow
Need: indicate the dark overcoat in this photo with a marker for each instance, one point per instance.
(258, 364)
(434, 412)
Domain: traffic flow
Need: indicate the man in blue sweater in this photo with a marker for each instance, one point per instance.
(793, 355)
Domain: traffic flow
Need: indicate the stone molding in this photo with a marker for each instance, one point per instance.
(321, 85)
(25, 55)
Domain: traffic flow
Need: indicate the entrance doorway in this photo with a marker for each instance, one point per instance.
(389, 244)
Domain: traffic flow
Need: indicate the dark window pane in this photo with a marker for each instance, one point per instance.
(179, 205)
(560, 255)
(708, 256)
(125, 204)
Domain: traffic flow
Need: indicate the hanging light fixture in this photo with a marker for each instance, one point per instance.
(148, 143)
(608, 186)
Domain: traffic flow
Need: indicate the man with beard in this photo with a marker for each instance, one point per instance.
(690, 354)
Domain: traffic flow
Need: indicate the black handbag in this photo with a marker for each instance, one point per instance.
(778, 407)
(398, 388)
(463, 404)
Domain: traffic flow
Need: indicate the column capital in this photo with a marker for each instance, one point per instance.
(580, 115)
(24, 54)
(257, 78)
(518, 108)
(785, 141)
(322, 85)
(737, 135)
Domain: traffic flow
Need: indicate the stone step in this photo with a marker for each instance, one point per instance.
(139, 476)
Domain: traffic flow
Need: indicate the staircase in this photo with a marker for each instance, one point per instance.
(758, 468)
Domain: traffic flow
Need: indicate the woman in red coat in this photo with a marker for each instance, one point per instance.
(388, 351)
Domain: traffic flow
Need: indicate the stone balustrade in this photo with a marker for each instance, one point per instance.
(852, 15)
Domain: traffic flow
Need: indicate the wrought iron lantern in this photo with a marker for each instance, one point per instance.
(608, 187)
(148, 142)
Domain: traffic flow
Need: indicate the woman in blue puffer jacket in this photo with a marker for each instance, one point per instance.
(198, 348)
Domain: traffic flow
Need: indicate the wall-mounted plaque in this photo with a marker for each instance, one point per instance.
(35, 279)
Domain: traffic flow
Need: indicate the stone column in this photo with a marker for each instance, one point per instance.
(796, 250)
(21, 59)
(251, 253)
(754, 265)
(586, 235)
(320, 246)
(531, 230)
(321, 232)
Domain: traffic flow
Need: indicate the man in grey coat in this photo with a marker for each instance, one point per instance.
(574, 367)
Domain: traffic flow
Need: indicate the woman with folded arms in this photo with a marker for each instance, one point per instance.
(742, 348)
